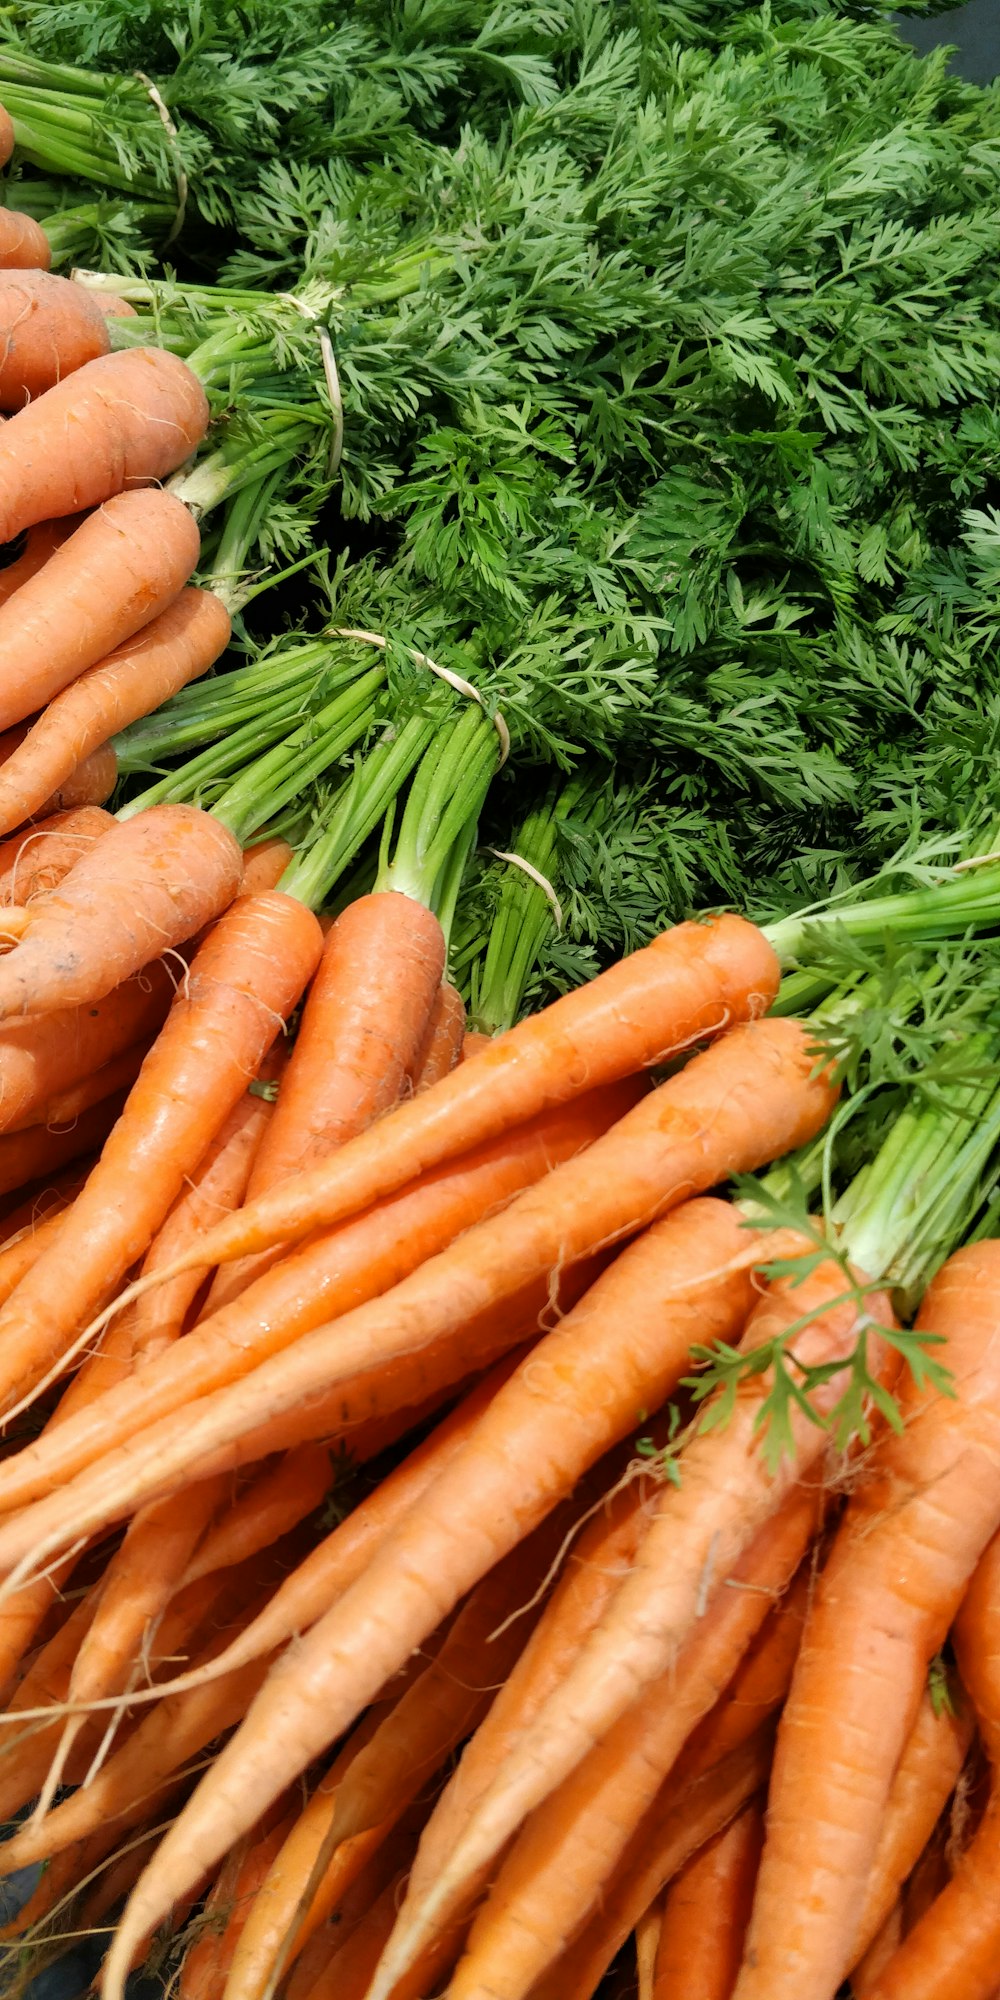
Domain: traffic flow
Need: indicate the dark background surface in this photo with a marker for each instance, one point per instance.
(975, 29)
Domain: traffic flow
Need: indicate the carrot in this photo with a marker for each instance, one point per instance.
(38, 857)
(173, 649)
(89, 783)
(929, 1879)
(48, 327)
(362, 1027)
(7, 136)
(679, 1824)
(922, 1783)
(24, 1247)
(243, 981)
(150, 883)
(28, 552)
(647, 1937)
(114, 1076)
(120, 421)
(442, 1044)
(706, 1913)
(348, 1972)
(40, 1150)
(896, 1575)
(883, 1947)
(611, 1356)
(690, 983)
(554, 1875)
(271, 1506)
(41, 1060)
(240, 1880)
(112, 306)
(264, 865)
(120, 568)
(336, 1273)
(24, 246)
(473, 1041)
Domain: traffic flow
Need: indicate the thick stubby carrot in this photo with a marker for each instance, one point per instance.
(41, 1060)
(123, 566)
(908, 1543)
(39, 1150)
(953, 1946)
(617, 1352)
(264, 865)
(173, 649)
(678, 1825)
(691, 983)
(124, 420)
(30, 551)
(725, 1495)
(36, 859)
(924, 1780)
(48, 327)
(244, 980)
(24, 246)
(282, 1496)
(442, 1044)
(150, 884)
(333, 1275)
(553, 1877)
(363, 1023)
(706, 1913)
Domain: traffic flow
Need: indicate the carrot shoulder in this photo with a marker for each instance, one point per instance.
(24, 245)
(48, 327)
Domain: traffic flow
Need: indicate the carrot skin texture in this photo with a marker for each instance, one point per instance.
(31, 552)
(692, 982)
(442, 1045)
(24, 246)
(89, 783)
(39, 1150)
(7, 137)
(36, 859)
(908, 1543)
(179, 643)
(42, 1059)
(48, 327)
(150, 884)
(338, 1272)
(246, 977)
(123, 565)
(123, 420)
(264, 865)
(117, 1075)
(706, 1913)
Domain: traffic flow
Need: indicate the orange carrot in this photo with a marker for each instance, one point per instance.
(112, 306)
(647, 1937)
(7, 136)
(690, 983)
(612, 1356)
(24, 246)
(473, 1041)
(25, 1245)
(883, 1947)
(121, 567)
(173, 649)
(123, 420)
(41, 1060)
(896, 1575)
(48, 327)
(335, 1274)
(114, 1076)
(678, 1825)
(40, 1150)
(246, 977)
(150, 883)
(282, 1496)
(38, 857)
(29, 551)
(264, 865)
(239, 1882)
(442, 1044)
(362, 1026)
(554, 1875)
(89, 783)
(348, 1972)
(706, 1913)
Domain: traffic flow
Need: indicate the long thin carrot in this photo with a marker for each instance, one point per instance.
(48, 327)
(355, 1910)
(176, 646)
(678, 1825)
(347, 1974)
(706, 1913)
(114, 1076)
(24, 246)
(362, 1027)
(239, 1882)
(38, 1150)
(553, 1877)
(38, 857)
(42, 1059)
(331, 1276)
(647, 1938)
(274, 1503)
(615, 1354)
(149, 884)
(883, 1947)
(243, 982)
(691, 983)
(905, 1550)
(121, 567)
(25, 1245)
(121, 421)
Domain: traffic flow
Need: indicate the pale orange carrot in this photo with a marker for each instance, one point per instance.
(647, 1937)
(179, 643)
(40, 1060)
(238, 1883)
(89, 783)
(243, 981)
(48, 327)
(706, 1913)
(41, 1150)
(264, 865)
(123, 420)
(909, 1541)
(27, 553)
(117, 1075)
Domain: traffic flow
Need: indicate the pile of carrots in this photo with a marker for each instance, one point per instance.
(349, 1646)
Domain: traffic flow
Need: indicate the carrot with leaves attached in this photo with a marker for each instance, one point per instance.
(242, 984)
(123, 420)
